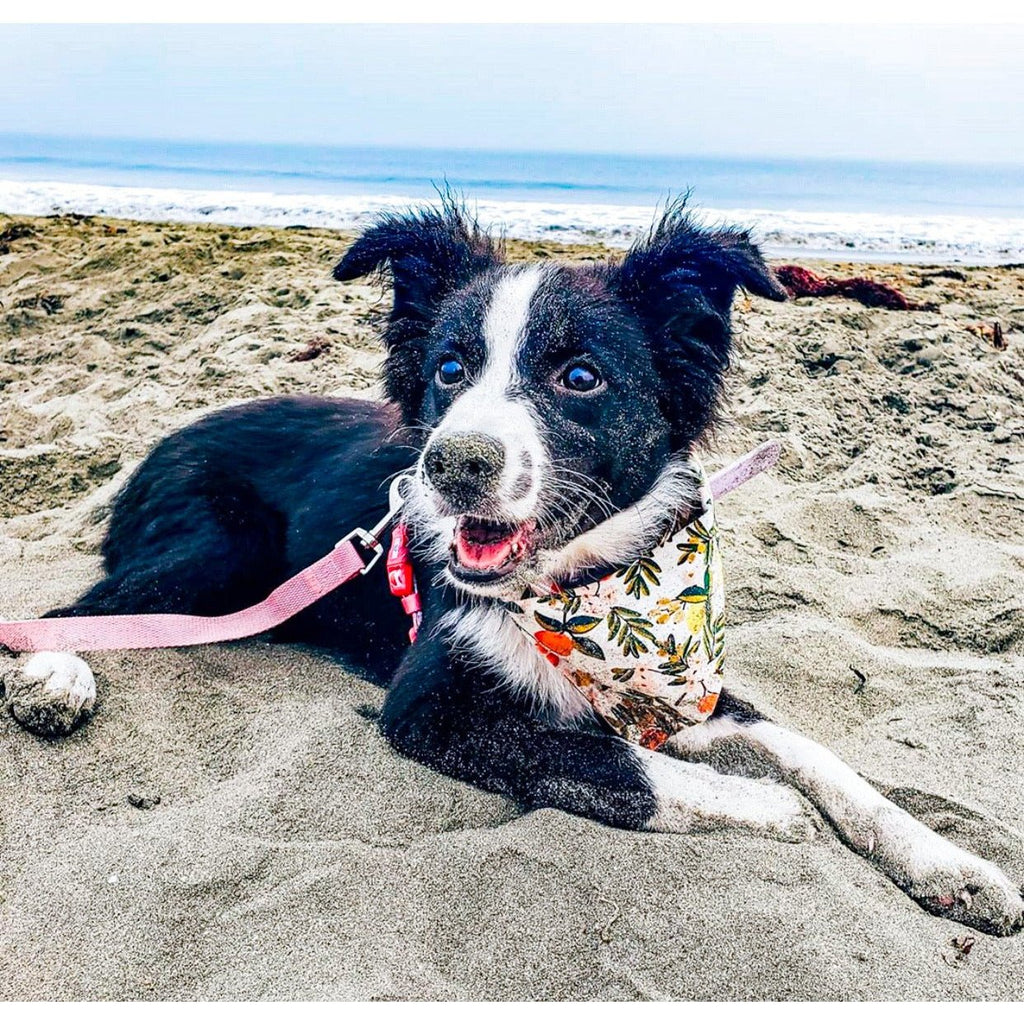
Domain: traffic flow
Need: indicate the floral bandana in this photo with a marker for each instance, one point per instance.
(646, 644)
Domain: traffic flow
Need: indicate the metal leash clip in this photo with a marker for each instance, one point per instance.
(370, 539)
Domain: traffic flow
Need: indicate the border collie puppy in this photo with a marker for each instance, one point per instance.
(548, 412)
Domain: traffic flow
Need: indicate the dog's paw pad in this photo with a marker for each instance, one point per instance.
(50, 693)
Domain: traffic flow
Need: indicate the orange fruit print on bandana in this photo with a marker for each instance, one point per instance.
(645, 644)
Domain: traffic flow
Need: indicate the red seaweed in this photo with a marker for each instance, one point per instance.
(801, 282)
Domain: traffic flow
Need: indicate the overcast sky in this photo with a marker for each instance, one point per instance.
(885, 92)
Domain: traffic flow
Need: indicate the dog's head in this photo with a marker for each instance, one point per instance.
(555, 405)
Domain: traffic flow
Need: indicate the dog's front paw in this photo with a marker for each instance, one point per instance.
(781, 813)
(695, 798)
(50, 693)
(972, 891)
(942, 878)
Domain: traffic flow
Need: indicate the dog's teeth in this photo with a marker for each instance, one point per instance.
(966, 898)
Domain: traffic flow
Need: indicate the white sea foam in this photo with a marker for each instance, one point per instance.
(911, 238)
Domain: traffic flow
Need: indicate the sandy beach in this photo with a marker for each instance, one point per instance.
(230, 825)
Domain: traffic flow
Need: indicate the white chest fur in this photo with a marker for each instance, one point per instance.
(487, 637)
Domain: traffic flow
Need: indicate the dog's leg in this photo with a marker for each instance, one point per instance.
(940, 876)
(49, 693)
(611, 781)
(705, 800)
(465, 724)
(52, 693)
(196, 563)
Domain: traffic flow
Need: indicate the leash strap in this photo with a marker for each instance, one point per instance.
(745, 468)
(137, 632)
(133, 632)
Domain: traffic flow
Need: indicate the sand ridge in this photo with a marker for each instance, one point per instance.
(873, 584)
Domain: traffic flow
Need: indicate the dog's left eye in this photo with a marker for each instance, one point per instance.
(580, 377)
(451, 371)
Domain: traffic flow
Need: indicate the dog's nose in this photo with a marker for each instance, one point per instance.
(465, 467)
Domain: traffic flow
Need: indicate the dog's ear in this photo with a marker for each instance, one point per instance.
(680, 281)
(429, 255)
(681, 278)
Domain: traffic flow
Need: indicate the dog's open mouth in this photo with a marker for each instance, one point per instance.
(484, 550)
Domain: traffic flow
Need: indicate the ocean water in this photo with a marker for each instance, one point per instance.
(914, 212)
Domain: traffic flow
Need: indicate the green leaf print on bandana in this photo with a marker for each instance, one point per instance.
(645, 644)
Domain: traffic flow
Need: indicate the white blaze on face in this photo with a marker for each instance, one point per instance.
(488, 405)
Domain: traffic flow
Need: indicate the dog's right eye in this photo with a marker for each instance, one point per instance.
(451, 371)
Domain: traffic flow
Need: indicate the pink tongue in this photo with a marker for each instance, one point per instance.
(482, 556)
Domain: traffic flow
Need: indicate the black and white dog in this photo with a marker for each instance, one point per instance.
(548, 410)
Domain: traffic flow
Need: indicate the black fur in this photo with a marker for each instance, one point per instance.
(448, 715)
(430, 255)
(226, 509)
(223, 511)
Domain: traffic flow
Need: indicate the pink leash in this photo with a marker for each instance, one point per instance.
(345, 562)
(135, 632)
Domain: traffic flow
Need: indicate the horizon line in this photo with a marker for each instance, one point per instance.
(501, 151)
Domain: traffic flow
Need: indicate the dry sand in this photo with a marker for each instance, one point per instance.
(875, 587)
